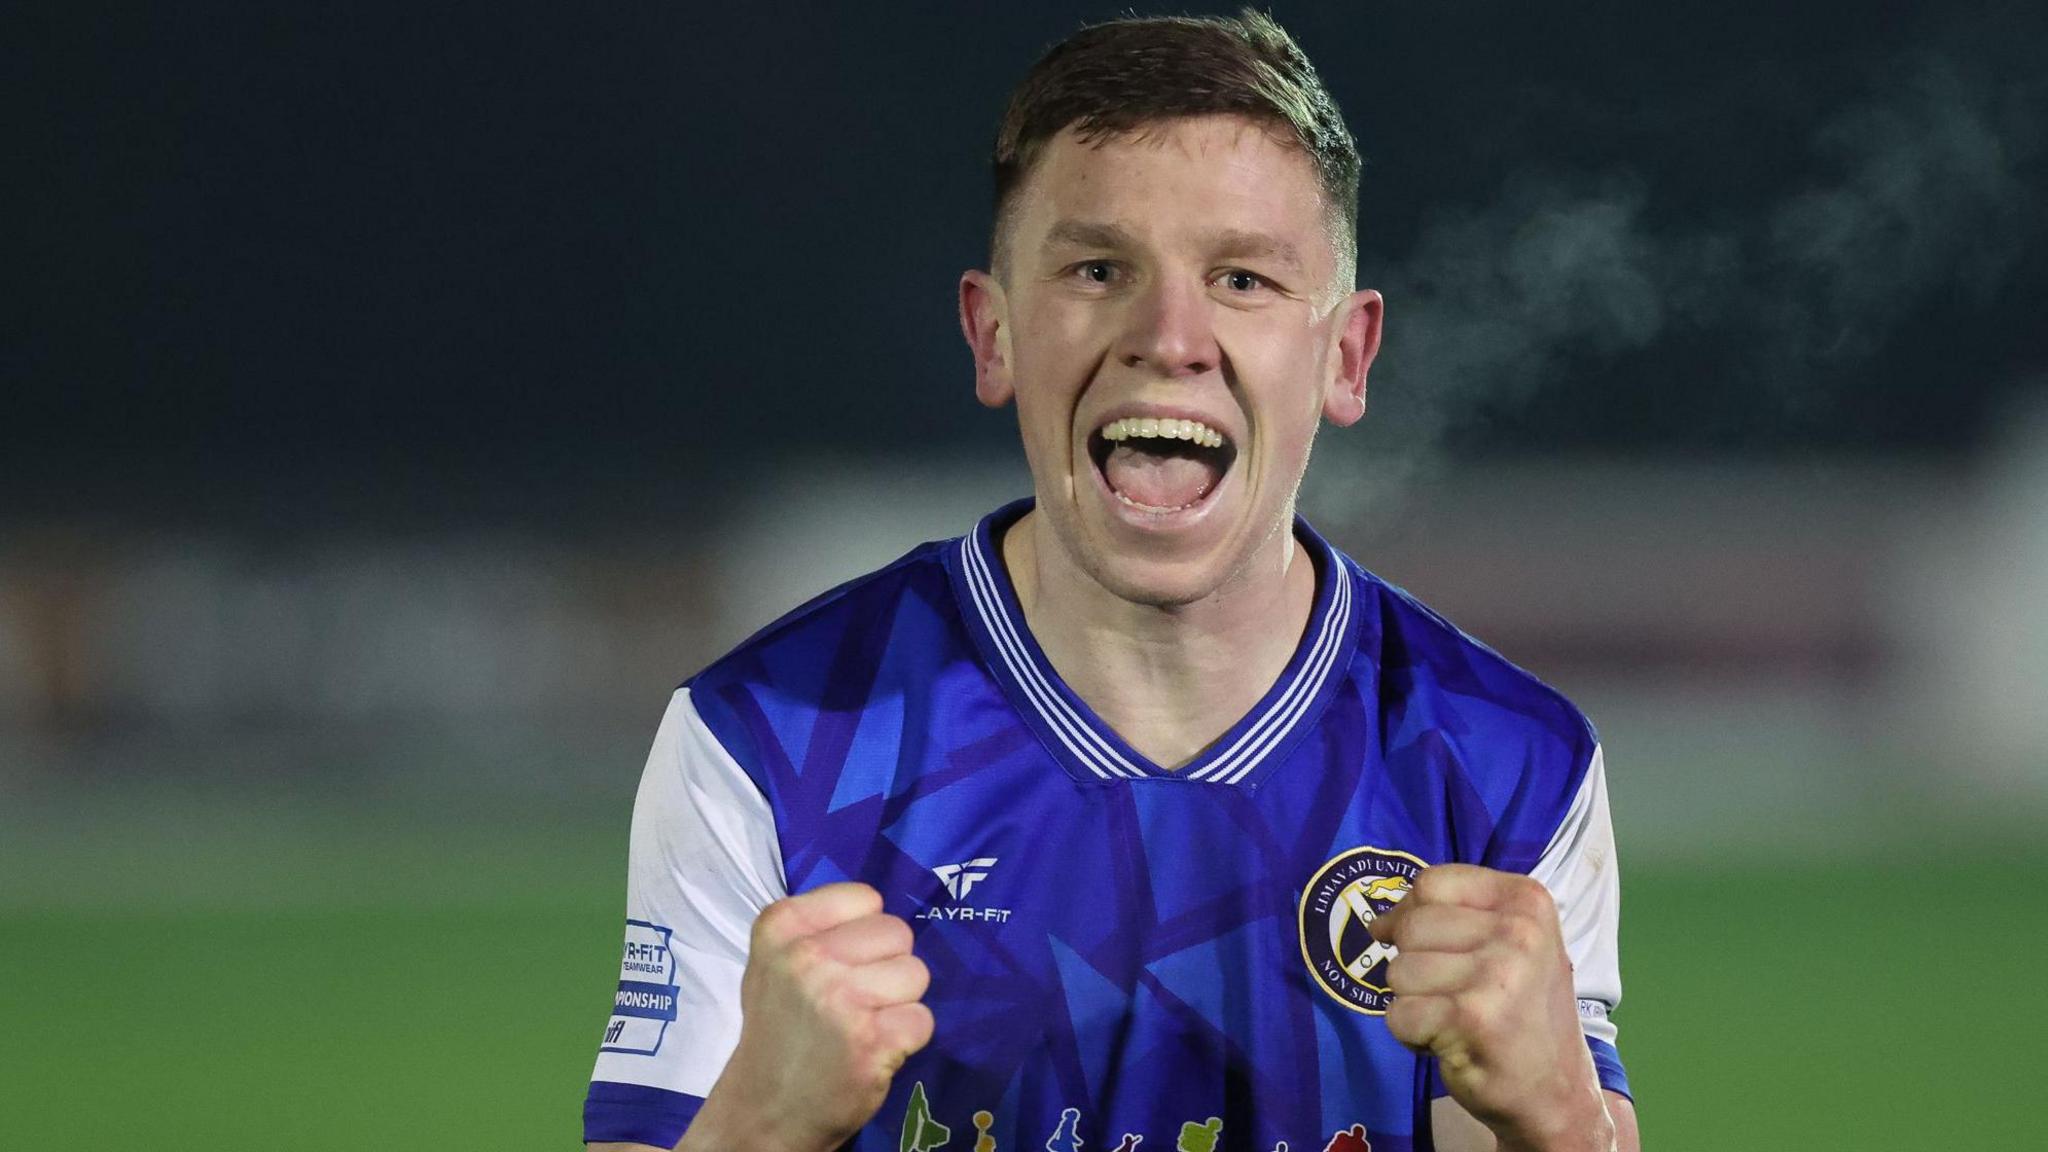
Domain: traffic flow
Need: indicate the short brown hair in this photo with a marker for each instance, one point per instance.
(1113, 78)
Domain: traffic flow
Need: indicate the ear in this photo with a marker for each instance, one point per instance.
(985, 321)
(1358, 341)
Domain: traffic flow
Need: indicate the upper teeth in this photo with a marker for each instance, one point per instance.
(1131, 427)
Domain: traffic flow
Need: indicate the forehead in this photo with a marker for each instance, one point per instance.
(1179, 178)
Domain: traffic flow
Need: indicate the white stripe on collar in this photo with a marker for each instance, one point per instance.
(1087, 745)
(1094, 752)
(1238, 761)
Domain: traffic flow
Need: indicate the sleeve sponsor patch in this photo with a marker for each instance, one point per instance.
(645, 1004)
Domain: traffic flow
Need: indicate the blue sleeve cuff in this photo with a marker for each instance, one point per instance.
(1606, 1062)
(637, 1114)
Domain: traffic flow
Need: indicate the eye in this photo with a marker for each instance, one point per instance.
(1240, 281)
(1095, 271)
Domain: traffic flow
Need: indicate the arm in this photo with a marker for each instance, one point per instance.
(1456, 1131)
(704, 861)
(824, 982)
(1508, 980)
(831, 1002)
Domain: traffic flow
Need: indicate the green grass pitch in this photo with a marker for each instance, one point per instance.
(1890, 1002)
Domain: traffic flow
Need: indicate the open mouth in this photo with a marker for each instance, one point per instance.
(1161, 465)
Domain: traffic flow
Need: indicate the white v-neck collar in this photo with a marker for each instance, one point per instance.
(1089, 748)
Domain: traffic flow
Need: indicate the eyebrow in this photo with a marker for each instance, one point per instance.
(1228, 241)
(1089, 234)
(1263, 245)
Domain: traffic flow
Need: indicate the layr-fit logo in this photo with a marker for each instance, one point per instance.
(960, 880)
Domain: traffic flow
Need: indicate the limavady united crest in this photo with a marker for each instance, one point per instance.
(1346, 894)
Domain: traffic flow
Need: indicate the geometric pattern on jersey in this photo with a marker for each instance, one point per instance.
(1117, 950)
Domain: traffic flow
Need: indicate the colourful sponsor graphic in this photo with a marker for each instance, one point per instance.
(1351, 1139)
(921, 1133)
(1067, 1137)
(1199, 1137)
(1346, 894)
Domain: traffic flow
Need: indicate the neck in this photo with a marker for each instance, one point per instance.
(1169, 680)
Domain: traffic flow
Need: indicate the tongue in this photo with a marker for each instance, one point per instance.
(1156, 480)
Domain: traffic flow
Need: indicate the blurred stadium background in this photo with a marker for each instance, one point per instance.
(397, 407)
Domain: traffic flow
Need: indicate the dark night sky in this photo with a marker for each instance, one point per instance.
(524, 261)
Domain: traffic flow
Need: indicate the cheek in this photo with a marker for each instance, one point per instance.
(1064, 331)
(1053, 359)
(1035, 413)
(1045, 420)
(1282, 372)
(1288, 445)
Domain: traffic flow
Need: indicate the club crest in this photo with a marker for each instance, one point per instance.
(1347, 893)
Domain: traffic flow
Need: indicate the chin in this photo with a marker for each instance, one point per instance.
(1157, 584)
(1169, 569)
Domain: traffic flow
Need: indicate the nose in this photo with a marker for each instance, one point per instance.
(1168, 330)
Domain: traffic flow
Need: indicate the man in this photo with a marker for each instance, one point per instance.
(1139, 814)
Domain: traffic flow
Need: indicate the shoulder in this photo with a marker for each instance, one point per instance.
(1517, 747)
(1417, 650)
(760, 699)
(784, 651)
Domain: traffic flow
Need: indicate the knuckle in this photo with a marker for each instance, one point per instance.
(1468, 1016)
(820, 985)
(803, 955)
(816, 993)
(1540, 935)
(1480, 1012)
(1521, 934)
(860, 899)
(843, 1003)
(771, 925)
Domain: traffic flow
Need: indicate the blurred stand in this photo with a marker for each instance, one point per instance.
(1777, 654)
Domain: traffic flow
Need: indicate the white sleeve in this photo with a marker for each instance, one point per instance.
(703, 863)
(1579, 870)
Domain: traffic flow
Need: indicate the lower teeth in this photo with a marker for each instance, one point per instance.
(1155, 507)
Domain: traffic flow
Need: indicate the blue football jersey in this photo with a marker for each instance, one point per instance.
(1119, 952)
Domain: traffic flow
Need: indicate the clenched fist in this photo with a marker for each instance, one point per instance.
(829, 1011)
(1482, 981)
